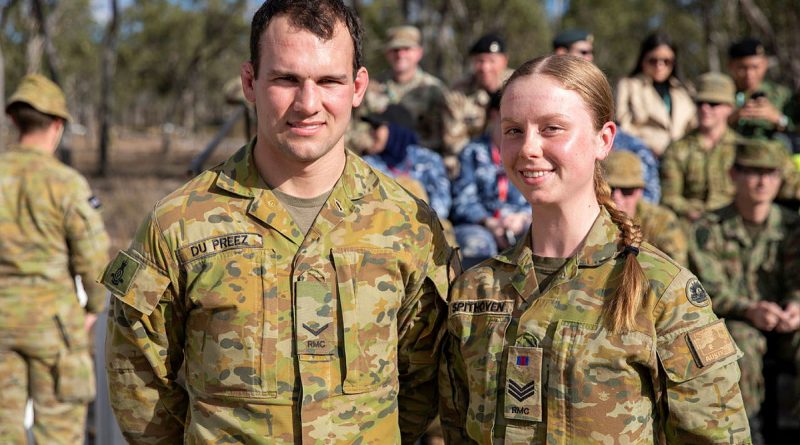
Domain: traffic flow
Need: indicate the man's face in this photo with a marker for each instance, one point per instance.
(404, 60)
(582, 48)
(305, 91)
(627, 198)
(756, 185)
(748, 72)
(712, 115)
(488, 69)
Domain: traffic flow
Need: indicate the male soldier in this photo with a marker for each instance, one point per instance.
(51, 231)
(298, 287)
(694, 176)
(576, 42)
(623, 172)
(489, 71)
(422, 94)
(742, 256)
(759, 103)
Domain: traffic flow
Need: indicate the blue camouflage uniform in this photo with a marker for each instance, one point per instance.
(652, 186)
(476, 196)
(424, 166)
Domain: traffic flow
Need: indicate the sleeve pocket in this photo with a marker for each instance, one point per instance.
(135, 283)
(689, 354)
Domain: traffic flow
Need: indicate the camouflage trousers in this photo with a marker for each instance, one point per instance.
(756, 345)
(35, 364)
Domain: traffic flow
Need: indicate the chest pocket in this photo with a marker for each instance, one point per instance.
(696, 183)
(370, 290)
(227, 351)
(593, 374)
(482, 339)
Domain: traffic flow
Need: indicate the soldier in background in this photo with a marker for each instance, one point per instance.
(575, 42)
(743, 254)
(489, 63)
(408, 85)
(760, 104)
(623, 172)
(694, 169)
(51, 231)
(299, 289)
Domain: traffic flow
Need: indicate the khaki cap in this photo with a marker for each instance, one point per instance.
(717, 88)
(403, 37)
(761, 153)
(42, 94)
(623, 169)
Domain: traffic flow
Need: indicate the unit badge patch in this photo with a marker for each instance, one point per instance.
(696, 294)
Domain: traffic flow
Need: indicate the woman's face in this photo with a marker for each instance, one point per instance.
(658, 63)
(549, 143)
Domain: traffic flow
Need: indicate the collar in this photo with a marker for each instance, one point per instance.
(732, 225)
(601, 244)
(28, 149)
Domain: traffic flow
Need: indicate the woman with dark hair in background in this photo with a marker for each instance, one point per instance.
(652, 102)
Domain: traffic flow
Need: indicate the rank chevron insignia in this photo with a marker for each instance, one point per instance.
(315, 331)
(520, 392)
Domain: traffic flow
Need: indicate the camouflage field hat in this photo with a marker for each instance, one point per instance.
(760, 153)
(403, 37)
(41, 94)
(623, 169)
(716, 88)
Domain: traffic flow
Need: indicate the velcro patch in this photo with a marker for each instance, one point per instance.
(475, 307)
(711, 343)
(217, 244)
(119, 275)
(696, 294)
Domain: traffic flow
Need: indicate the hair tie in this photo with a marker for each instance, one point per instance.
(630, 249)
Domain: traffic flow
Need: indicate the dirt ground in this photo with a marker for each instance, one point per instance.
(140, 173)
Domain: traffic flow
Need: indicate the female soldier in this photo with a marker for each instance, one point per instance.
(581, 333)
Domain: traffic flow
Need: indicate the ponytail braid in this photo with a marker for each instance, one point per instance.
(620, 310)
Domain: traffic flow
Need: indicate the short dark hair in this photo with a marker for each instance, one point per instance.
(316, 16)
(28, 119)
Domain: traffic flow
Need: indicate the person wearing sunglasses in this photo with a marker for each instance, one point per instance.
(575, 42)
(746, 255)
(652, 102)
(694, 169)
(659, 225)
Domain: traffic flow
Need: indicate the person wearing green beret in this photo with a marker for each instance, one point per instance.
(747, 255)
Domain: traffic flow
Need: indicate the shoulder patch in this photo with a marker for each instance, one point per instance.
(120, 273)
(696, 294)
(711, 343)
(477, 307)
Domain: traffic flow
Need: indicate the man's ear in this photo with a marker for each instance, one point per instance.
(360, 82)
(248, 76)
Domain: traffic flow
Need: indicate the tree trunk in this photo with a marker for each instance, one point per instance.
(53, 60)
(105, 109)
(3, 17)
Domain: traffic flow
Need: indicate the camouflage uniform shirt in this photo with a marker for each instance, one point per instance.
(473, 101)
(531, 367)
(426, 167)
(696, 179)
(285, 339)
(425, 98)
(738, 270)
(661, 228)
(51, 231)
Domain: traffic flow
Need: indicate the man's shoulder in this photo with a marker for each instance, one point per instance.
(428, 79)
(661, 214)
